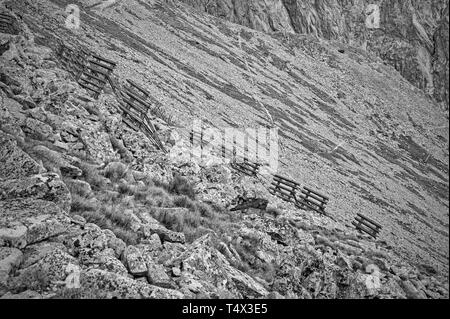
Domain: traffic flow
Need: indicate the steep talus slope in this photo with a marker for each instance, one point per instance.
(350, 126)
(409, 36)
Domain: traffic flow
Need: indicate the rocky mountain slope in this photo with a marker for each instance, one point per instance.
(410, 35)
(80, 192)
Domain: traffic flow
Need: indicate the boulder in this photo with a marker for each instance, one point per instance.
(156, 275)
(391, 289)
(90, 241)
(120, 286)
(117, 244)
(46, 186)
(170, 254)
(67, 137)
(97, 143)
(274, 295)
(154, 243)
(14, 130)
(176, 272)
(105, 260)
(135, 262)
(78, 220)
(53, 160)
(35, 252)
(15, 162)
(22, 221)
(37, 130)
(194, 284)
(123, 286)
(164, 293)
(172, 237)
(400, 271)
(13, 235)
(43, 227)
(204, 260)
(411, 291)
(10, 259)
(46, 272)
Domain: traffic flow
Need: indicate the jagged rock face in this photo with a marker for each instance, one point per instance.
(440, 60)
(264, 15)
(15, 162)
(412, 36)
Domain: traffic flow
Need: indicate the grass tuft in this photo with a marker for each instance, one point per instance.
(181, 186)
(81, 204)
(91, 175)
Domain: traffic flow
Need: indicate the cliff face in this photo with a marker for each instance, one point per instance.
(410, 35)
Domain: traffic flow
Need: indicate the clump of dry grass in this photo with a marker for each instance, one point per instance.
(177, 220)
(115, 215)
(76, 187)
(196, 220)
(184, 201)
(126, 189)
(91, 175)
(81, 204)
(106, 209)
(181, 186)
(157, 196)
(109, 219)
(205, 211)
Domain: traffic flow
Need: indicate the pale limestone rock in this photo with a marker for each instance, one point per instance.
(135, 262)
(10, 259)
